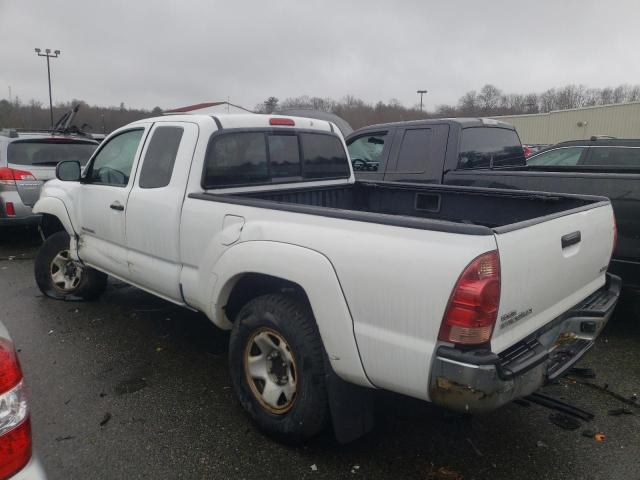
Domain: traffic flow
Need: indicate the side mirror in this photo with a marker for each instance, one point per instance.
(68, 171)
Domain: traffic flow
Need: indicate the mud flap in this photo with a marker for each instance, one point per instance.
(351, 406)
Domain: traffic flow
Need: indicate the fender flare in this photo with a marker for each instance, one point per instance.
(56, 207)
(315, 274)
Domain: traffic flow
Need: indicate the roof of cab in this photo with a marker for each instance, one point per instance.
(246, 120)
(463, 122)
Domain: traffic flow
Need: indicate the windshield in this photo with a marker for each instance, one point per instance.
(49, 152)
(486, 147)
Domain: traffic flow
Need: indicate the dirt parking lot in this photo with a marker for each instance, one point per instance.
(131, 386)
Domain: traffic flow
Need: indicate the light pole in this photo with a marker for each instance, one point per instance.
(47, 53)
(421, 93)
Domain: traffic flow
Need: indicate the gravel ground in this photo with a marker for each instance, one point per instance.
(131, 386)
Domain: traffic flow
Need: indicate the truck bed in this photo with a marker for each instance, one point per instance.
(469, 210)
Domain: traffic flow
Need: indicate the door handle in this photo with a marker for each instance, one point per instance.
(571, 239)
(116, 206)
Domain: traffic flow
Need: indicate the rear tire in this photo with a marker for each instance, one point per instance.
(60, 277)
(277, 370)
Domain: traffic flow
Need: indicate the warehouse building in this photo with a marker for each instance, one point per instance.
(620, 120)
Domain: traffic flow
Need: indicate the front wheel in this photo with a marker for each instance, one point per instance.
(276, 362)
(59, 276)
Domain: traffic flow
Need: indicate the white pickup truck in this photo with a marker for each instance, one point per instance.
(465, 297)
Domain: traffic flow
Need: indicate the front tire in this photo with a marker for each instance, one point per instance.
(60, 277)
(276, 362)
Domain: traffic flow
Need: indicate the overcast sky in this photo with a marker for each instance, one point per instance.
(172, 53)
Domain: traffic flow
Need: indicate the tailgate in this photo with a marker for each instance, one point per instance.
(548, 267)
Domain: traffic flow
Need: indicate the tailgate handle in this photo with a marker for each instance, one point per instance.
(571, 239)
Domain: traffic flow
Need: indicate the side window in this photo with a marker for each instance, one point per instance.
(323, 156)
(613, 157)
(237, 159)
(284, 156)
(366, 152)
(560, 157)
(414, 151)
(112, 164)
(157, 167)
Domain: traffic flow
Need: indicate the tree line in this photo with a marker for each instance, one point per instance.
(487, 101)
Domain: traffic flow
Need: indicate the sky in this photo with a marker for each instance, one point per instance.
(171, 53)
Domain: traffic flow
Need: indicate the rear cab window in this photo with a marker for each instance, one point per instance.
(261, 157)
(489, 147)
(48, 152)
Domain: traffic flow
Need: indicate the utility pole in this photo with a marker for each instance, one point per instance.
(10, 98)
(421, 93)
(49, 55)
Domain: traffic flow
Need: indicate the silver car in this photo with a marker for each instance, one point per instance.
(16, 456)
(27, 160)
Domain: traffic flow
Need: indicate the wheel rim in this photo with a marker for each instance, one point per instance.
(65, 272)
(271, 371)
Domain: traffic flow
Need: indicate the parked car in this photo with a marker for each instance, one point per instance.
(16, 457)
(332, 287)
(532, 149)
(487, 153)
(27, 160)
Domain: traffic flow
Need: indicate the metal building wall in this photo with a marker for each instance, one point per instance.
(621, 121)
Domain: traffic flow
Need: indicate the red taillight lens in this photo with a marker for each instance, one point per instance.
(15, 428)
(15, 449)
(473, 306)
(527, 152)
(282, 121)
(11, 212)
(11, 175)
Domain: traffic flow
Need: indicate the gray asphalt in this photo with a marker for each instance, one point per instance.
(131, 386)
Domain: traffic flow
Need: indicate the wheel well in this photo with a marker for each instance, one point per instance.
(50, 224)
(252, 285)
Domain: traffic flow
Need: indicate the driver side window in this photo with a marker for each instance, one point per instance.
(366, 151)
(112, 164)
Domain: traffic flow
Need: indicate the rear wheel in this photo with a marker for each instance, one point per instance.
(59, 276)
(276, 362)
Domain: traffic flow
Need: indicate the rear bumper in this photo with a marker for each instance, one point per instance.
(480, 381)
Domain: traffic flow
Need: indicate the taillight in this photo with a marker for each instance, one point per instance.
(11, 211)
(11, 175)
(15, 428)
(473, 305)
(282, 121)
(527, 152)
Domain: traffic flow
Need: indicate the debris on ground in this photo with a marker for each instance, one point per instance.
(314, 467)
(443, 473)
(597, 436)
(582, 372)
(475, 449)
(355, 469)
(541, 444)
(620, 411)
(564, 421)
(68, 437)
(105, 420)
(632, 400)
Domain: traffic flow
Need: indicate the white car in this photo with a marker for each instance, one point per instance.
(16, 458)
(466, 297)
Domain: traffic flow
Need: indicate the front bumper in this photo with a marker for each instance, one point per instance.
(479, 381)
